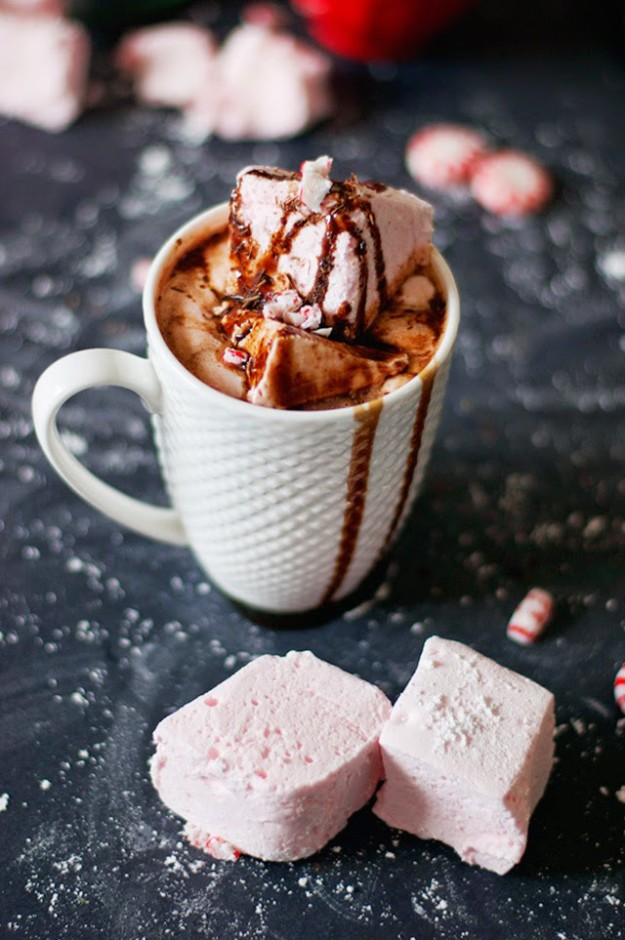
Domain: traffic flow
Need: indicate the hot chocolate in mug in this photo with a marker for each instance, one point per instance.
(284, 510)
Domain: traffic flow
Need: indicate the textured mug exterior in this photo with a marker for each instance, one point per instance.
(267, 497)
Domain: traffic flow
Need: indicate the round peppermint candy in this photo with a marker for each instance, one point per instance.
(511, 183)
(441, 156)
(531, 617)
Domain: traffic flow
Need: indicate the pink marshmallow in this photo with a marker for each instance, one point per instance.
(397, 223)
(170, 64)
(467, 755)
(34, 7)
(273, 761)
(43, 69)
(268, 85)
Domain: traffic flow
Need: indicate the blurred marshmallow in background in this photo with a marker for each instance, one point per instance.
(169, 63)
(262, 83)
(44, 62)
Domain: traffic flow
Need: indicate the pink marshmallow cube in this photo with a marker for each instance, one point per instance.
(273, 761)
(467, 755)
(43, 69)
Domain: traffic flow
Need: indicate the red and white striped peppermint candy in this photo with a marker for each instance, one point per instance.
(235, 357)
(511, 183)
(619, 688)
(441, 156)
(531, 617)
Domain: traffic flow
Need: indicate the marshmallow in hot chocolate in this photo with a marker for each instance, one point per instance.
(346, 246)
(318, 294)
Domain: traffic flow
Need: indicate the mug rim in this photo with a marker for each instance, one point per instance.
(216, 216)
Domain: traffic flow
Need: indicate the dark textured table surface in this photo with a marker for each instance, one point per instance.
(103, 632)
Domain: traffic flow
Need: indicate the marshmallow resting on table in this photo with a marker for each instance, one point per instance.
(467, 754)
(273, 761)
(44, 61)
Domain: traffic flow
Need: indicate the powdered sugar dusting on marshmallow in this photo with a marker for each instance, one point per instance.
(44, 62)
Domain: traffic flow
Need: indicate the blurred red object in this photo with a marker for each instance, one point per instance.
(377, 30)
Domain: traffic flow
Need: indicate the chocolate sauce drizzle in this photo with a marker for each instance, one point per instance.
(366, 418)
(427, 384)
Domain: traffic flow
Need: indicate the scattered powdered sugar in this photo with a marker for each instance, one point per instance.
(455, 722)
(159, 181)
(118, 632)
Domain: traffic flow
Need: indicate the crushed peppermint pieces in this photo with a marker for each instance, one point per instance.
(308, 317)
(531, 617)
(316, 182)
(287, 306)
(619, 688)
(219, 848)
(235, 357)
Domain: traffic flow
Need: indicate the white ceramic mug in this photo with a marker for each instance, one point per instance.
(285, 510)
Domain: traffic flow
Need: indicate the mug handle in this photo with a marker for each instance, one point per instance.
(74, 373)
